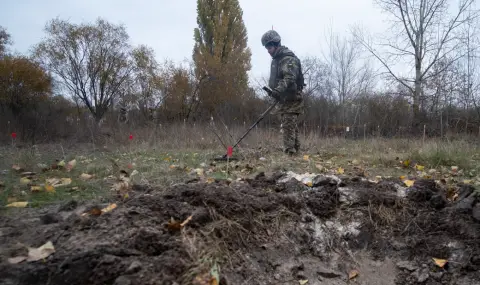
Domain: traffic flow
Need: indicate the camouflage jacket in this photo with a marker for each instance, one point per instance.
(284, 70)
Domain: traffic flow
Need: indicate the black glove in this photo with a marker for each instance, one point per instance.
(272, 93)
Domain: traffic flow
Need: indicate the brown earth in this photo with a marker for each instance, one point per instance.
(259, 231)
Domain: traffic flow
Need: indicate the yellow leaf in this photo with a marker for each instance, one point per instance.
(440, 262)
(340, 170)
(409, 183)
(403, 177)
(61, 163)
(25, 180)
(309, 183)
(210, 180)
(354, 273)
(66, 181)
(35, 188)
(406, 163)
(85, 176)
(18, 204)
(49, 188)
(306, 157)
(302, 282)
(419, 167)
(56, 182)
(109, 208)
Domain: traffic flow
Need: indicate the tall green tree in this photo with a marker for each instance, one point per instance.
(220, 54)
(4, 40)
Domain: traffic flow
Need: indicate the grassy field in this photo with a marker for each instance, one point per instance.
(95, 171)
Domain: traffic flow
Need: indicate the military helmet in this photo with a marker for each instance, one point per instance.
(270, 36)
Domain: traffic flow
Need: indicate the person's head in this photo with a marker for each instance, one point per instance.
(271, 40)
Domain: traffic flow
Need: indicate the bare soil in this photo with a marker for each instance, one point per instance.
(258, 231)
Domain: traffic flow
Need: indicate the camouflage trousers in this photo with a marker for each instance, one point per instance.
(289, 129)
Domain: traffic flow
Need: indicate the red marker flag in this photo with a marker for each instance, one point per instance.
(130, 137)
(14, 135)
(229, 151)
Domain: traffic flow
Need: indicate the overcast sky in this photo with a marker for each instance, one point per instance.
(167, 25)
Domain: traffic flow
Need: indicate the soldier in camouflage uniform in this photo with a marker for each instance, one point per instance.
(286, 82)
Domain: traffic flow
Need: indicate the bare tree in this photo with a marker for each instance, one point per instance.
(349, 75)
(424, 32)
(147, 87)
(90, 60)
(316, 74)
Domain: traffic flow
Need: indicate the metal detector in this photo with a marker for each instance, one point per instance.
(262, 116)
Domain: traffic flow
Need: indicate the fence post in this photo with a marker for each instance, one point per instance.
(424, 128)
(364, 132)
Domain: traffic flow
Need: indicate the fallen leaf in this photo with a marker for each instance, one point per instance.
(49, 188)
(440, 262)
(406, 163)
(94, 212)
(176, 225)
(121, 186)
(17, 259)
(302, 282)
(85, 176)
(467, 181)
(109, 208)
(354, 273)
(25, 180)
(58, 182)
(306, 157)
(340, 170)
(403, 177)
(409, 183)
(199, 171)
(18, 204)
(42, 252)
(186, 221)
(35, 188)
(61, 163)
(16, 167)
(210, 180)
(419, 167)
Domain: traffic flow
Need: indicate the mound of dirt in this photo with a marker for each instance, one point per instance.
(265, 230)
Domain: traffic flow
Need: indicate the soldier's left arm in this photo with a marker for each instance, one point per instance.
(289, 69)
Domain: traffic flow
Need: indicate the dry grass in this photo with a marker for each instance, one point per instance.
(153, 151)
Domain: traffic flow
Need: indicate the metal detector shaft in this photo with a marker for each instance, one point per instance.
(254, 124)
